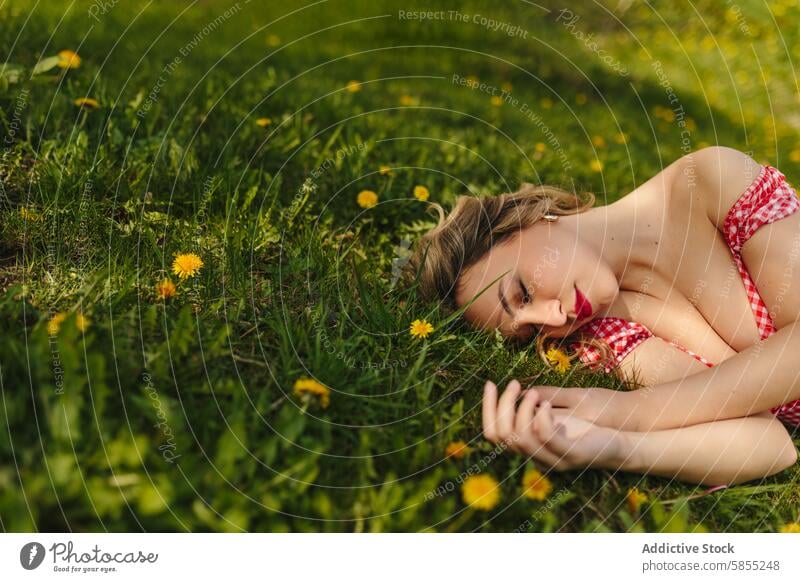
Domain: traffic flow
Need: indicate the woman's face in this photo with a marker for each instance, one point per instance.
(545, 269)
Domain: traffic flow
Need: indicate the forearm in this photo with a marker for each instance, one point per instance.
(723, 452)
(754, 380)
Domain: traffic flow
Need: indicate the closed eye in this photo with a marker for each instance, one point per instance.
(526, 298)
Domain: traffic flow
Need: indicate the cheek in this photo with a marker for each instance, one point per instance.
(551, 267)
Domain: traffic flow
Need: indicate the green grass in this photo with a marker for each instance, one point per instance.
(298, 281)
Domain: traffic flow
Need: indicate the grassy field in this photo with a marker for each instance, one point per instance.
(234, 131)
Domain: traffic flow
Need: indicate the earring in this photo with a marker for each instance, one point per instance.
(551, 217)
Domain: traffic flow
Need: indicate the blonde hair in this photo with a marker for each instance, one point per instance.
(473, 227)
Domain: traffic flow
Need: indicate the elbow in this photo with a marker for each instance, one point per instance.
(788, 458)
(785, 459)
(779, 461)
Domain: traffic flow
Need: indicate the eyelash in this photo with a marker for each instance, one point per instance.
(525, 294)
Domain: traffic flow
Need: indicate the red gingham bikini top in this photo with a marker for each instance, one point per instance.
(767, 199)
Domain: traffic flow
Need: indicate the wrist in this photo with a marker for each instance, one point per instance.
(630, 452)
(625, 411)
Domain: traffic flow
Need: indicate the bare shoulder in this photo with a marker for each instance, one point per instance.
(655, 361)
(714, 178)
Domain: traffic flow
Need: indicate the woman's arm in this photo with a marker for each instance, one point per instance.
(716, 453)
(724, 452)
(756, 379)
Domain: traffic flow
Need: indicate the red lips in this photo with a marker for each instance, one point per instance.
(583, 308)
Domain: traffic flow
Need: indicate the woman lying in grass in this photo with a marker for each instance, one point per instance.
(689, 283)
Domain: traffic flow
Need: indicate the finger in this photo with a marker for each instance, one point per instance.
(537, 450)
(490, 411)
(506, 410)
(557, 440)
(524, 422)
(543, 423)
(531, 443)
(553, 435)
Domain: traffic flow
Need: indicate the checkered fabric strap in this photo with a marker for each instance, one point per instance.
(697, 357)
(768, 198)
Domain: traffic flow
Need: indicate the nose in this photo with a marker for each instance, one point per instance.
(548, 312)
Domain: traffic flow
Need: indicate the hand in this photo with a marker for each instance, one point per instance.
(600, 406)
(560, 441)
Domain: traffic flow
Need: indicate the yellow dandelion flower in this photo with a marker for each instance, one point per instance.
(421, 193)
(353, 86)
(165, 289)
(273, 40)
(87, 102)
(581, 98)
(55, 322)
(794, 155)
(708, 43)
(540, 147)
(506, 86)
(263, 121)
(420, 328)
(790, 528)
(28, 214)
(481, 492)
(367, 199)
(635, 498)
(457, 450)
(535, 485)
(596, 166)
(496, 100)
(621, 138)
(664, 113)
(546, 103)
(558, 359)
(303, 386)
(186, 265)
(598, 141)
(742, 78)
(406, 100)
(385, 170)
(82, 322)
(68, 60)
